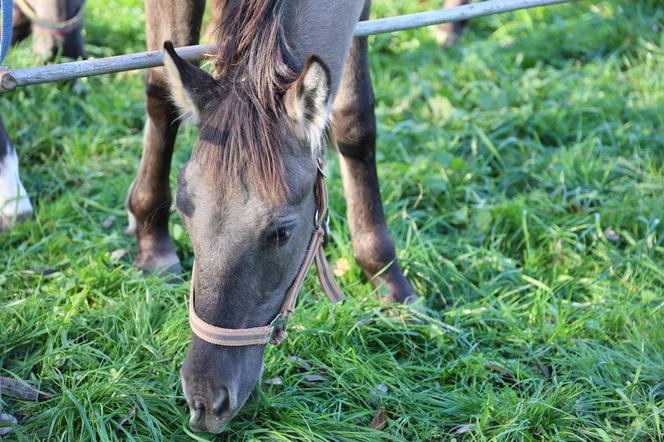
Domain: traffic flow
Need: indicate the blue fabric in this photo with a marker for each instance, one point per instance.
(6, 7)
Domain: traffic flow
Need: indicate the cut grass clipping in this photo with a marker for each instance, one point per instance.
(522, 177)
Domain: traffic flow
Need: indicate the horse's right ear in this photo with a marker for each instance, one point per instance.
(191, 87)
(306, 101)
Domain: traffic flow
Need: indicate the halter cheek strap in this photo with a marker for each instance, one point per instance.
(275, 332)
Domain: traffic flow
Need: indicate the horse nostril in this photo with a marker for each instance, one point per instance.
(222, 404)
(197, 415)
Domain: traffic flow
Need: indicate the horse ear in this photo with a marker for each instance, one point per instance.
(191, 87)
(306, 101)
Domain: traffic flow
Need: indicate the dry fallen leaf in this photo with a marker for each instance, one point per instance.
(109, 221)
(505, 374)
(559, 246)
(379, 421)
(465, 428)
(315, 378)
(17, 389)
(5, 420)
(340, 267)
(379, 388)
(31, 273)
(118, 254)
(129, 415)
(542, 369)
(611, 235)
(300, 362)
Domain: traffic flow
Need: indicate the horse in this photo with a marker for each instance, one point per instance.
(283, 70)
(56, 28)
(289, 81)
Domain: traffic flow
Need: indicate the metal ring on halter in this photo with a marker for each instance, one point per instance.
(279, 321)
(326, 228)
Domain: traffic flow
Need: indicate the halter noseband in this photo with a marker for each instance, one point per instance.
(275, 332)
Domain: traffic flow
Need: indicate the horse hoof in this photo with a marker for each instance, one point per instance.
(411, 300)
(167, 264)
(447, 34)
(401, 299)
(6, 222)
(397, 289)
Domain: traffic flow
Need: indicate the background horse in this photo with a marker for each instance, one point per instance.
(48, 40)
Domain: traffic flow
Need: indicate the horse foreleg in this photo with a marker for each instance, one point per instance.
(355, 131)
(448, 33)
(47, 43)
(21, 25)
(14, 203)
(149, 198)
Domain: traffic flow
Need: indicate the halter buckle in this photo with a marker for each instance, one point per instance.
(279, 333)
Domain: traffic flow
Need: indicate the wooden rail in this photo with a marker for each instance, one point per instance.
(87, 68)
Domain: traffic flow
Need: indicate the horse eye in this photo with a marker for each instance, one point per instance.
(282, 234)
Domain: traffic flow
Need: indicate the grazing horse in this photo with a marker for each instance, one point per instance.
(283, 70)
(55, 29)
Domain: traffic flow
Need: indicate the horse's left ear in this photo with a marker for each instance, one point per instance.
(306, 101)
(190, 86)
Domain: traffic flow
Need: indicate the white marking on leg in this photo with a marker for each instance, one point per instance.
(131, 219)
(131, 226)
(14, 201)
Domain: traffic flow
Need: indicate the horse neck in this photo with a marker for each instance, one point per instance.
(323, 28)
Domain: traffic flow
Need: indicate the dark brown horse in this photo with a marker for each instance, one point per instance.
(49, 38)
(284, 70)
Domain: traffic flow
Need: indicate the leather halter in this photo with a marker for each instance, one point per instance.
(63, 27)
(275, 331)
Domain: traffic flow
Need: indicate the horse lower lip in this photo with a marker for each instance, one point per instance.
(219, 428)
(211, 424)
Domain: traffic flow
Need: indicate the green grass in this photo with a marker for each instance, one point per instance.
(503, 161)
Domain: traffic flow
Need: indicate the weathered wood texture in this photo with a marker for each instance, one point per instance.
(68, 71)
